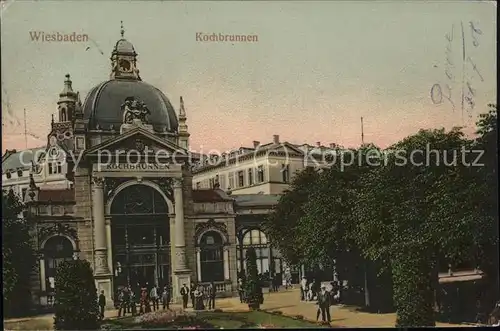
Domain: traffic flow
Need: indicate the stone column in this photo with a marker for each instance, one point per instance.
(226, 262)
(109, 245)
(180, 242)
(198, 263)
(43, 283)
(100, 242)
(182, 275)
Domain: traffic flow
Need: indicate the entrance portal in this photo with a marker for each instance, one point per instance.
(140, 234)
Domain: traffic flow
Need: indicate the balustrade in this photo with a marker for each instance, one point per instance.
(220, 287)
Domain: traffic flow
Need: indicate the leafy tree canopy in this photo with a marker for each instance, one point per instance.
(18, 256)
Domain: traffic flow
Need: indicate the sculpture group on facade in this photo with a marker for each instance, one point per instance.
(135, 110)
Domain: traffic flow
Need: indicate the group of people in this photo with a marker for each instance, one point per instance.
(201, 298)
(148, 299)
(313, 290)
(309, 290)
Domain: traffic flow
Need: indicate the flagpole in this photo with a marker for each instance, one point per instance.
(25, 130)
(362, 133)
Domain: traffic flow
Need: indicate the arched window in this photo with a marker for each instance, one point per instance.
(56, 250)
(140, 237)
(139, 199)
(212, 257)
(63, 114)
(258, 240)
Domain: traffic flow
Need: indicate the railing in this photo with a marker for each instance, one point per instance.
(222, 287)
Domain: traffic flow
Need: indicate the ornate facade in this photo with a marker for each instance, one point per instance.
(130, 208)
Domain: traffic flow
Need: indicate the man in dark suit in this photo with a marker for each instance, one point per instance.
(191, 291)
(324, 305)
(165, 297)
(185, 295)
(211, 296)
(102, 304)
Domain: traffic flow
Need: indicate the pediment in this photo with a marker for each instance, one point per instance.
(138, 142)
(284, 148)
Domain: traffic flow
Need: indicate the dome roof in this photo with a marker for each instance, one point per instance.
(124, 46)
(103, 105)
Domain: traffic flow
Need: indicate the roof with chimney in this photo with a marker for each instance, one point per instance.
(211, 161)
(14, 160)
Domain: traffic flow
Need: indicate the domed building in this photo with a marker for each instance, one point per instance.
(131, 209)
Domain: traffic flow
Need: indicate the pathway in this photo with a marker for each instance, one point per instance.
(285, 301)
(289, 304)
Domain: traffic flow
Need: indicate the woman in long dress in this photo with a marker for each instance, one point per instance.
(198, 298)
(143, 300)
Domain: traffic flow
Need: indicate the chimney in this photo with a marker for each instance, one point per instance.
(276, 139)
(256, 143)
(318, 143)
(332, 145)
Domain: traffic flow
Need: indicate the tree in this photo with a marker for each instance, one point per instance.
(18, 256)
(75, 297)
(486, 199)
(327, 227)
(410, 214)
(253, 288)
(280, 225)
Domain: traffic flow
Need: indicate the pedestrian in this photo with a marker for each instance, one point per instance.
(191, 292)
(335, 292)
(241, 290)
(185, 295)
(165, 297)
(310, 293)
(132, 303)
(211, 296)
(123, 298)
(303, 289)
(315, 289)
(153, 294)
(323, 305)
(494, 318)
(102, 304)
(198, 299)
(288, 278)
(144, 301)
(288, 281)
(276, 283)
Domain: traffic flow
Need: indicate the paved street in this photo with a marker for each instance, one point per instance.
(288, 303)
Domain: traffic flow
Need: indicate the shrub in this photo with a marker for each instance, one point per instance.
(75, 297)
(253, 290)
(18, 257)
(158, 317)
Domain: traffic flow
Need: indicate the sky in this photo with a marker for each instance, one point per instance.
(315, 70)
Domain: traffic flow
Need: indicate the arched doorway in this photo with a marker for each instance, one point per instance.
(56, 250)
(269, 261)
(212, 257)
(140, 232)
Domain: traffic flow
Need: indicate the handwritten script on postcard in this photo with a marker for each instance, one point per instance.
(461, 74)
